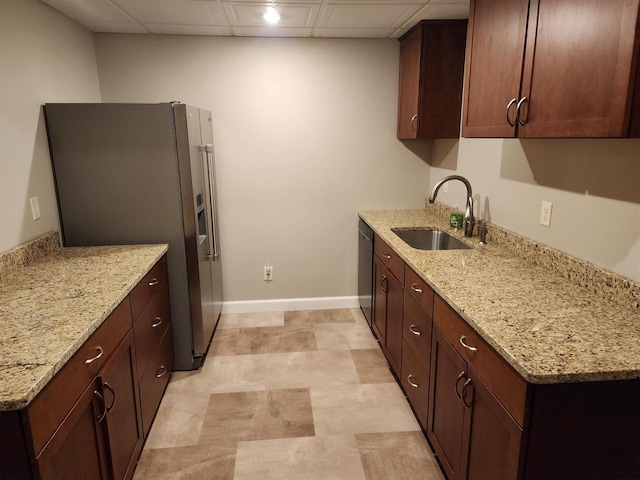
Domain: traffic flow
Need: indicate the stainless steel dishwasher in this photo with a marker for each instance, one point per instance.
(365, 269)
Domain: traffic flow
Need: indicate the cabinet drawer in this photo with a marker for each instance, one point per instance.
(508, 387)
(50, 407)
(147, 287)
(419, 290)
(155, 380)
(151, 326)
(416, 329)
(415, 381)
(390, 258)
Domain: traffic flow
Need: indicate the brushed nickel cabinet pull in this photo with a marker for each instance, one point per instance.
(412, 383)
(468, 347)
(509, 105)
(157, 323)
(464, 394)
(113, 392)
(414, 287)
(386, 255)
(413, 126)
(412, 330)
(455, 385)
(162, 371)
(153, 282)
(520, 103)
(100, 417)
(93, 359)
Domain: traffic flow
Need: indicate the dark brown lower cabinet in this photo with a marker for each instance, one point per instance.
(118, 380)
(415, 382)
(470, 430)
(78, 450)
(492, 440)
(387, 314)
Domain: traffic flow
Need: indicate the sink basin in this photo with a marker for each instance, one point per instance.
(430, 239)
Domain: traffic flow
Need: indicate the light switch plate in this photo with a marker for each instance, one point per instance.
(35, 208)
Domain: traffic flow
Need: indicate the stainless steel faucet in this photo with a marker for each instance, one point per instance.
(469, 220)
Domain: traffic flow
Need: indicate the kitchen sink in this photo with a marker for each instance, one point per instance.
(430, 239)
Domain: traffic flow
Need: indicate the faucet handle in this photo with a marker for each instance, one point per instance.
(482, 230)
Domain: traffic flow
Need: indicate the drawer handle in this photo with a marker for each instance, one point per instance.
(468, 347)
(464, 394)
(387, 256)
(100, 417)
(412, 383)
(113, 392)
(162, 371)
(414, 287)
(455, 385)
(413, 119)
(153, 282)
(93, 359)
(383, 283)
(158, 322)
(415, 332)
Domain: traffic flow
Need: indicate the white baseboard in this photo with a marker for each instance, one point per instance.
(290, 304)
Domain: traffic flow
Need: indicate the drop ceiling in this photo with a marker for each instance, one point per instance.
(240, 18)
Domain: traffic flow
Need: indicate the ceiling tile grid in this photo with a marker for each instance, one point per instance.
(299, 18)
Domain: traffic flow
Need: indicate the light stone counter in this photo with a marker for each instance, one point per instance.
(49, 307)
(550, 329)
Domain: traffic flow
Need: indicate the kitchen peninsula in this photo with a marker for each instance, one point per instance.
(81, 328)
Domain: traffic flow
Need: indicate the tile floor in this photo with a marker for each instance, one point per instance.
(293, 395)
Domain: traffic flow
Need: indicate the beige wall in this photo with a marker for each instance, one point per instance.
(594, 186)
(44, 57)
(304, 138)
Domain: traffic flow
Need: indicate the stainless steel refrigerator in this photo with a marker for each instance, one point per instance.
(144, 173)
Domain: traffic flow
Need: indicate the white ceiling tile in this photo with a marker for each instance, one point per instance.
(90, 10)
(353, 32)
(374, 2)
(250, 15)
(366, 16)
(212, 30)
(174, 12)
(271, 31)
(114, 27)
(466, 2)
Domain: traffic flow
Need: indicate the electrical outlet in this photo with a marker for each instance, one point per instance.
(35, 208)
(545, 214)
(268, 273)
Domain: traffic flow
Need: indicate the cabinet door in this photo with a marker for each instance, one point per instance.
(118, 381)
(379, 299)
(77, 449)
(492, 439)
(409, 89)
(393, 336)
(446, 411)
(495, 53)
(580, 68)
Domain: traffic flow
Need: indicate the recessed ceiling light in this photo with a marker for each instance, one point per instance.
(272, 16)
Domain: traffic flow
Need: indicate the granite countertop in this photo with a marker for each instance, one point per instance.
(549, 329)
(51, 306)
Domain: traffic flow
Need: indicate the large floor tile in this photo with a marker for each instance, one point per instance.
(371, 366)
(237, 373)
(259, 415)
(251, 320)
(312, 317)
(179, 421)
(397, 456)
(201, 462)
(332, 336)
(310, 458)
(243, 341)
(361, 409)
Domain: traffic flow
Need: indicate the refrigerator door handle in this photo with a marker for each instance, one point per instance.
(210, 192)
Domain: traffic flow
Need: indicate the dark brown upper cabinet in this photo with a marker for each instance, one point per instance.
(552, 69)
(431, 73)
